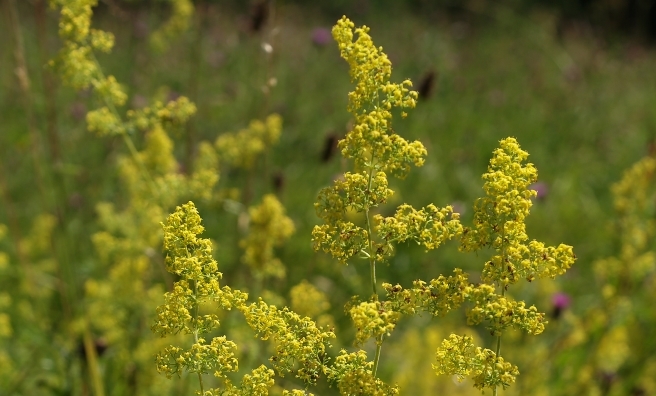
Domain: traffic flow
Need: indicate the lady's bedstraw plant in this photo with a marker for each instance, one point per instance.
(376, 150)
(300, 346)
(499, 224)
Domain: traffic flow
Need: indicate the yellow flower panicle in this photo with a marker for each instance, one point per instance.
(296, 392)
(241, 149)
(445, 294)
(372, 320)
(460, 357)
(173, 113)
(634, 198)
(428, 226)
(354, 376)
(269, 227)
(372, 142)
(377, 152)
(257, 383)
(307, 300)
(502, 312)
(300, 346)
(499, 223)
(355, 192)
(76, 61)
(438, 297)
(216, 357)
(178, 23)
(190, 258)
(342, 240)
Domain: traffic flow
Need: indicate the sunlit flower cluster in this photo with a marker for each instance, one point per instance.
(459, 356)
(372, 142)
(241, 149)
(499, 223)
(269, 227)
(300, 346)
(354, 376)
(308, 300)
(372, 320)
(181, 13)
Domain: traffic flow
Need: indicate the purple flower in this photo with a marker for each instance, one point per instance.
(560, 300)
(541, 188)
(321, 37)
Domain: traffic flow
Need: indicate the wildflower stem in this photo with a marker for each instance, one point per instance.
(200, 376)
(372, 257)
(379, 344)
(372, 264)
(494, 392)
(503, 293)
(126, 138)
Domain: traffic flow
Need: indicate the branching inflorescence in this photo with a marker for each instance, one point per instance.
(498, 224)
(300, 346)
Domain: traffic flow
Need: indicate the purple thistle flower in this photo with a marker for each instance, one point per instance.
(541, 188)
(321, 37)
(560, 302)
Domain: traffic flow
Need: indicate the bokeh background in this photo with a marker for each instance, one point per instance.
(573, 81)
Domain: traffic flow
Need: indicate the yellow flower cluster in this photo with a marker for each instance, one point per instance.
(342, 239)
(307, 300)
(634, 197)
(445, 294)
(241, 149)
(177, 24)
(502, 312)
(297, 340)
(76, 60)
(269, 227)
(167, 186)
(296, 392)
(257, 383)
(190, 258)
(499, 223)
(174, 113)
(355, 192)
(441, 296)
(458, 356)
(372, 320)
(354, 376)
(377, 151)
(372, 142)
(429, 227)
(217, 357)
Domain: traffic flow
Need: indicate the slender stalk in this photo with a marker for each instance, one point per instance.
(494, 392)
(43, 180)
(200, 376)
(48, 82)
(503, 293)
(372, 264)
(92, 364)
(126, 138)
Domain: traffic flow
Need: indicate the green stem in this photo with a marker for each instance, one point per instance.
(379, 344)
(126, 138)
(200, 376)
(494, 392)
(503, 293)
(372, 264)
